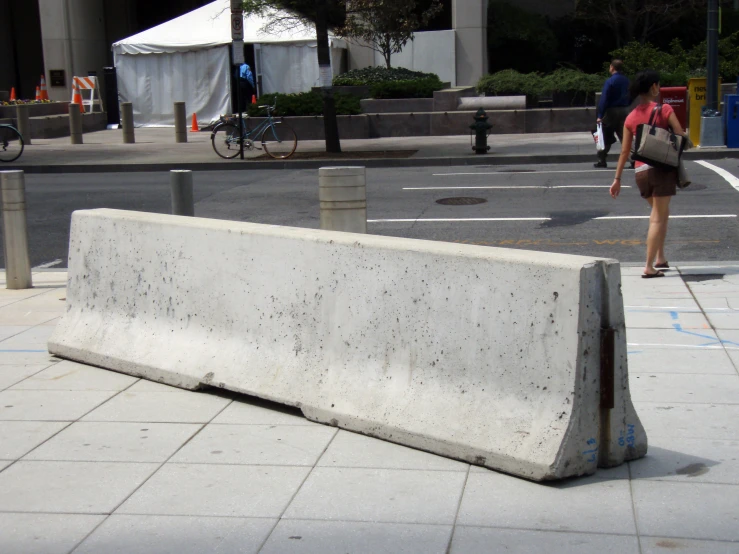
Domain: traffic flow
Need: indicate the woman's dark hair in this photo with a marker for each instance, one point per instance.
(643, 82)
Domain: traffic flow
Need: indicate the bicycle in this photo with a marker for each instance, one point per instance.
(277, 138)
(11, 143)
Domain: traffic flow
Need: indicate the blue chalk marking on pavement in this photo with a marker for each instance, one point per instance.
(714, 341)
(25, 351)
(674, 316)
(634, 352)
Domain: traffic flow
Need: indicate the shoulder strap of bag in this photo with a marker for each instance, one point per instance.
(653, 118)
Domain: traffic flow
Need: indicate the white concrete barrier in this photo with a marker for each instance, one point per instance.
(486, 355)
(492, 103)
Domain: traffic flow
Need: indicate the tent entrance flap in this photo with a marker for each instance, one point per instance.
(153, 82)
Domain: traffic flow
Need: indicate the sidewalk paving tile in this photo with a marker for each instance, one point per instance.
(17, 438)
(162, 407)
(664, 319)
(340, 537)
(44, 533)
(665, 388)
(671, 338)
(116, 442)
(482, 540)
(724, 320)
(69, 487)
(217, 490)
(49, 405)
(33, 337)
(731, 340)
(496, 500)
(379, 495)
(7, 331)
(696, 361)
(660, 545)
(10, 375)
(5, 463)
(253, 412)
(122, 534)
(690, 421)
(36, 356)
(689, 460)
(68, 375)
(257, 445)
(687, 510)
(355, 450)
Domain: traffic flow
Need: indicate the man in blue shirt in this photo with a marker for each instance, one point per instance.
(246, 83)
(613, 108)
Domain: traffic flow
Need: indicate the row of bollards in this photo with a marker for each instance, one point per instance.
(342, 193)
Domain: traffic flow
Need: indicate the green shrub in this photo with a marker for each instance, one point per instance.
(373, 75)
(572, 81)
(304, 103)
(417, 88)
(510, 82)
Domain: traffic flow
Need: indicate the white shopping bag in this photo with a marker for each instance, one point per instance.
(600, 141)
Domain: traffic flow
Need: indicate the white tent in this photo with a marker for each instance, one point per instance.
(188, 59)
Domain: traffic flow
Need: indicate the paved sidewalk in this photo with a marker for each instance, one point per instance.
(92, 461)
(155, 150)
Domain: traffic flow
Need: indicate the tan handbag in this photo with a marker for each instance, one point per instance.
(656, 146)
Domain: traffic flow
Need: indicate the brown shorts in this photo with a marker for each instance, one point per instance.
(657, 182)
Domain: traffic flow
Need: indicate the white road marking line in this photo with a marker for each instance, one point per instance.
(731, 179)
(47, 265)
(522, 187)
(507, 219)
(671, 216)
(717, 347)
(470, 219)
(524, 172)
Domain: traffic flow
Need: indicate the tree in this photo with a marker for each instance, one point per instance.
(386, 26)
(638, 20)
(321, 13)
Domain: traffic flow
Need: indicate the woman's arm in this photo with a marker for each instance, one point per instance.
(625, 153)
(674, 124)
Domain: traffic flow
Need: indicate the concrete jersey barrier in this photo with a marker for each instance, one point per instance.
(486, 355)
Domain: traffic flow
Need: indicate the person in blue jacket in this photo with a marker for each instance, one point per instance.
(613, 108)
(246, 84)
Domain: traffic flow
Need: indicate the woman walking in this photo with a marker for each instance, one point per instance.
(656, 185)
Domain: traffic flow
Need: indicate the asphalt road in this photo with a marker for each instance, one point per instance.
(548, 208)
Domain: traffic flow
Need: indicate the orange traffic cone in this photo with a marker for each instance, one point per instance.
(253, 98)
(12, 94)
(44, 91)
(38, 94)
(77, 97)
(195, 127)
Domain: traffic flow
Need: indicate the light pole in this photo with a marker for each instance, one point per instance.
(712, 65)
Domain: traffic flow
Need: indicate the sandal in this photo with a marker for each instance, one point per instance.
(664, 265)
(652, 275)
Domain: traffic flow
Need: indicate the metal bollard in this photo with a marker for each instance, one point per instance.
(24, 123)
(180, 122)
(127, 123)
(342, 192)
(183, 203)
(75, 124)
(15, 230)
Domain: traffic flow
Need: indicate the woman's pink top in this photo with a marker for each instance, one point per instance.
(641, 115)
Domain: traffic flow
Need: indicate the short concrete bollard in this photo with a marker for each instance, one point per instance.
(180, 122)
(127, 123)
(342, 192)
(183, 202)
(75, 124)
(24, 123)
(15, 230)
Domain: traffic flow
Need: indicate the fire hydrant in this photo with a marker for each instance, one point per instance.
(481, 128)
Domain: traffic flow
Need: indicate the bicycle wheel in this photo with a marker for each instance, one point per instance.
(225, 139)
(279, 140)
(11, 144)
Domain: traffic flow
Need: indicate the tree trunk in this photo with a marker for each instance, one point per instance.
(330, 123)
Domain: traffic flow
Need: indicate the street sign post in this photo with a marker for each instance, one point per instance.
(237, 36)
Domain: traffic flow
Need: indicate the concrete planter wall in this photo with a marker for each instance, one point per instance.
(36, 110)
(56, 126)
(401, 105)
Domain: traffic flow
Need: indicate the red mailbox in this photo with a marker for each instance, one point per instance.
(677, 97)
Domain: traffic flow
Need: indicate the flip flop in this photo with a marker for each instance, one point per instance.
(652, 275)
(662, 266)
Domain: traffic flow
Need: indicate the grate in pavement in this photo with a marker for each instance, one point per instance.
(461, 201)
(703, 277)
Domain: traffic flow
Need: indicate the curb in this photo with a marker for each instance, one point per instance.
(446, 161)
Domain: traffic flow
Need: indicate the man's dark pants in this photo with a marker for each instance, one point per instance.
(613, 126)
